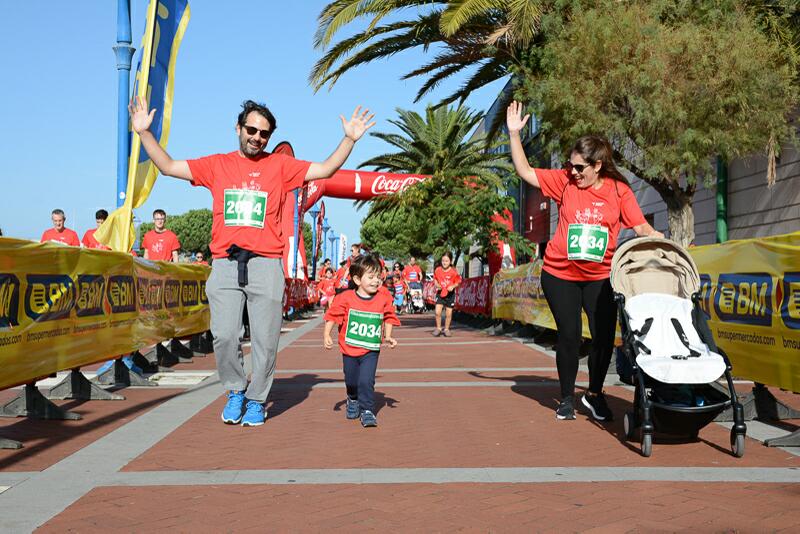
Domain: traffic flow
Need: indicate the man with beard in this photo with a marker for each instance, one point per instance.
(249, 188)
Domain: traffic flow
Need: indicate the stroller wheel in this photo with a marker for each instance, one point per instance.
(737, 444)
(629, 424)
(647, 445)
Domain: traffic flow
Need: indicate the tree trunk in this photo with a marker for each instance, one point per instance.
(681, 221)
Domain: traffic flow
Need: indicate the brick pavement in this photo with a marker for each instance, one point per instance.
(453, 417)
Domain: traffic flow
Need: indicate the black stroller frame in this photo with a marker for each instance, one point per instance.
(650, 416)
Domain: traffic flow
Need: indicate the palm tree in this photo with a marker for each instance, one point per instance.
(466, 188)
(484, 36)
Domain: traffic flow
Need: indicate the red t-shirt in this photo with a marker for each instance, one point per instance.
(611, 206)
(159, 246)
(327, 286)
(90, 242)
(447, 278)
(412, 273)
(267, 179)
(65, 237)
(348, 300)
(342, 276)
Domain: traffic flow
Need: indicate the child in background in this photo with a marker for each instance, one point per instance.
(446, 279)
(327, 288)
(399, 287)
(365, 317)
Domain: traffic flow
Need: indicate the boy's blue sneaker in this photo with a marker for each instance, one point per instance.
(232, 413)
(353, 409)
(254, 414)
(368, 419)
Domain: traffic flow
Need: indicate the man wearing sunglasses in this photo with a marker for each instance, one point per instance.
(249, 188)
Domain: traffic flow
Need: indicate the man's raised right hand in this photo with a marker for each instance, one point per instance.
(140, 118)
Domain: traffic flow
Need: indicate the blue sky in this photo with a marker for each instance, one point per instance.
(58, 102)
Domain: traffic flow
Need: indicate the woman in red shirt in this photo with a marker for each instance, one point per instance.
(594, 202)
(446, 279)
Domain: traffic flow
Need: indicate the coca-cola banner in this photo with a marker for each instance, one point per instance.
(295, 294)
(473, 296)
(429, 292)
(360, 185)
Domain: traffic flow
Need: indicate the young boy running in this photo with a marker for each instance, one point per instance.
(365, 317)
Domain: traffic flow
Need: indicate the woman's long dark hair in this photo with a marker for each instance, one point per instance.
(594, 148)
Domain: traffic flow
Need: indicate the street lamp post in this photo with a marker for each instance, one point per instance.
(325, 228)
(124, 53)
(334, 260)
(314, 237)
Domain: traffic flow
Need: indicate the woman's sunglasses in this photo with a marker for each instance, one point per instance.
(579, 167)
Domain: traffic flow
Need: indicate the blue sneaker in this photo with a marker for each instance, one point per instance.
(254, 414)
(368, 419)
(232, 413)
(353, 409)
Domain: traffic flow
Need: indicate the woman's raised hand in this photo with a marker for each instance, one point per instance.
(514, 119)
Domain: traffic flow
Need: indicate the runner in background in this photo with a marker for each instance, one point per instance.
(412, 273)
(365, 318)
(249, 187)
(199, 258)
(446, 279)
(160, 244)
(327, 288)
(400, 287)
(88, 240)
(342, 277)
(594, 203)
(323, 269)
(60, 233)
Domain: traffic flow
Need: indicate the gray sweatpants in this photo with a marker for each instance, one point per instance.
(264, 296)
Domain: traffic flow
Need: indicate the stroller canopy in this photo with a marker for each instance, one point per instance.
(654, 265)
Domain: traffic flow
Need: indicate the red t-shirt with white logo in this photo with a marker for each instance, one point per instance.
(90, 242)
(412, 273)
(327, 287)
(348, 300)
(65, 237)
(249, 197)
(159, 246)
(446, 278)
(612, 206)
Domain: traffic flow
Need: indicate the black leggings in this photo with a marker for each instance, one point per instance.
(566, 298)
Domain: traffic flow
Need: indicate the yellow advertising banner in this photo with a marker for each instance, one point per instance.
(517, 296)
(750, 293)
(63, 307)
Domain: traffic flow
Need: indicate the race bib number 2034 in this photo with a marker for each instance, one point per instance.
(245, 207)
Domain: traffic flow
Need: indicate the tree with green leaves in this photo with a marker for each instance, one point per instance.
(669, 96)
(457, 204)
(193, 229)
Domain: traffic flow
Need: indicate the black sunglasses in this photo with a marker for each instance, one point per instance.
(579, 167)
(251, 130)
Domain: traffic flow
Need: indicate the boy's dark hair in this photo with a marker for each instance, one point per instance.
(58, 212)
(101, 214)
(159, 211)
(363, 264)
(249, 106)
(448, 255)
(328, 270)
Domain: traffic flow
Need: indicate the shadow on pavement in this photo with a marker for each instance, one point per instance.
(286, 393)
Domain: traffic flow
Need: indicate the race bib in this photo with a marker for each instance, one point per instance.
(364, 329)
(587, 242)
(245, 207)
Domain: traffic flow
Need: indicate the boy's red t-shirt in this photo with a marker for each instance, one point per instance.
(446, 278)
(160, 246)
(348, 300)
(613, 205)
(65, 237)
(234, 179)
(90, 242)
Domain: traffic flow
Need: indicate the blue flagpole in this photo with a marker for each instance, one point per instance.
(124, 53)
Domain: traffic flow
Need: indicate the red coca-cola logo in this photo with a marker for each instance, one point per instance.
(474, 293)
(387, 186)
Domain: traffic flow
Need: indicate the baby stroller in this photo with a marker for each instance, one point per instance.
(666, 338)
(416, 304)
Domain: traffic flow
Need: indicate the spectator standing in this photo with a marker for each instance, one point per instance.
(59, 233)
(160, 244)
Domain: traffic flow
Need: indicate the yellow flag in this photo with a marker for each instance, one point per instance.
(155, 77)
